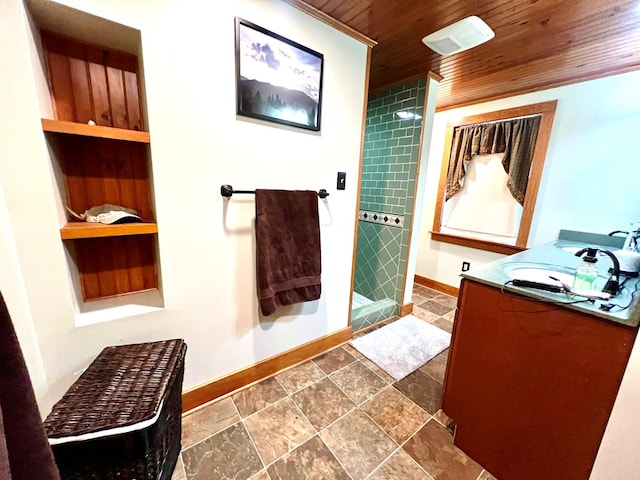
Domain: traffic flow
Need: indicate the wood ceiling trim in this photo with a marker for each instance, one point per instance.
(435, 76)
(419, 76)
(332, 22)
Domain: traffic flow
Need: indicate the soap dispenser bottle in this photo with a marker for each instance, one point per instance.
(586, 273)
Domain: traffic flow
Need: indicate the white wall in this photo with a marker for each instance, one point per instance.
(206, 243)
(25, 220)
(617, 457)
(416, 219)
(590, 178)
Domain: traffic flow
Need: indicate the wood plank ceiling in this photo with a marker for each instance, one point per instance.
(538, 44)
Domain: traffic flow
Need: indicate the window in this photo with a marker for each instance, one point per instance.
(485, 183)
(487, 201)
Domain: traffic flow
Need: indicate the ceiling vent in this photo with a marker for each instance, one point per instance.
(460, 36)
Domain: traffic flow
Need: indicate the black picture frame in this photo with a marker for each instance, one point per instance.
(277, 79)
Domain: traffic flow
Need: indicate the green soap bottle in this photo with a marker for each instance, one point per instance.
(586, 274)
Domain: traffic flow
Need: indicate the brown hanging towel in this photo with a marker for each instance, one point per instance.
(25, 453)
(287, 248)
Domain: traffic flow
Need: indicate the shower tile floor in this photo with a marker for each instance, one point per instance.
(337, 416)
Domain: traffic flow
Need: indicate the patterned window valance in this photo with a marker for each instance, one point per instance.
(515, 137)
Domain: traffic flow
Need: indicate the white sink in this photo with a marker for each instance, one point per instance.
(568, 247)
(539, 272)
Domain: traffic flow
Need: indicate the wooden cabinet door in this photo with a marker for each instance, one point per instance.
(531, 385)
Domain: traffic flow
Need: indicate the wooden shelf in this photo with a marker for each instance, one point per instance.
(104, 163)
(78, 230)
(98, 131)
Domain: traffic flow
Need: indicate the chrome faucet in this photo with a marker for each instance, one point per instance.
(632, 242)
(613, 284)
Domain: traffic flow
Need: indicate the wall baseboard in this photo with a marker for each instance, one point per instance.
(406, 309)
(216, 388)
(441, 287)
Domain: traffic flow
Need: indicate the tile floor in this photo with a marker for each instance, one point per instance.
(337, 416)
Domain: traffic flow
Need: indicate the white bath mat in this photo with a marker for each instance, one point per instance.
(402, 346)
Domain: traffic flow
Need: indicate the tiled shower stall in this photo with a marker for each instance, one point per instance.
(391, 153)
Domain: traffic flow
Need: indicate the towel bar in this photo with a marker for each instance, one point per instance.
(227, 191)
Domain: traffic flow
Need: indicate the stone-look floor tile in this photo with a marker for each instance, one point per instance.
(178, 472)
(355, 353)
(310, 461)
(423, 390)
(227, 454)
(358, 443)
(299, 377)
(334, 360)
(424, 314)
(435, 307)
(322, 403)
(444, 420)
(417, 289)
(436, 366)
(258, 396)
(377, 370)
(398, 416)
(400, 466)
(425, 291)
(435, 292)
(278, 429)
(443, 324)
(206, 421)
(486, 476)
(450, 316)
(417, 299)
(358, 382)
(446, 300)
(432, 447)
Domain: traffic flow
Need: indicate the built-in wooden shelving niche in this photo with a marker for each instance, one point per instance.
(102, 150)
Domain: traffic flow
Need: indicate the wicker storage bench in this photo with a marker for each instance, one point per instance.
(122, 418)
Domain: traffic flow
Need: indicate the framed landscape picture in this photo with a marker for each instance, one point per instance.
(277, 79)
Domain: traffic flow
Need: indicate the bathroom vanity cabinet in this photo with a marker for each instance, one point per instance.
(531, 385)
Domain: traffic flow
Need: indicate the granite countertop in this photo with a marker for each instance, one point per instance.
(560, 254)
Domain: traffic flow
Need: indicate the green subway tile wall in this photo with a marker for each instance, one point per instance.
(391, 147)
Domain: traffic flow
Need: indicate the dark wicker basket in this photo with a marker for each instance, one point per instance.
(125, 385)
